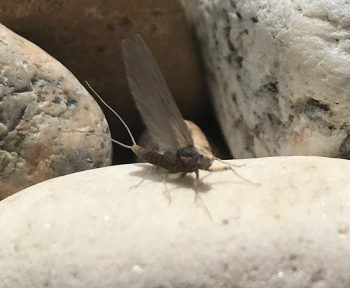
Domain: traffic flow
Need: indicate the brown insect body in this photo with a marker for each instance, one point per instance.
(186, 159)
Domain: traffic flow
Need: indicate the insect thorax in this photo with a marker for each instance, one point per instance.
(191, 160)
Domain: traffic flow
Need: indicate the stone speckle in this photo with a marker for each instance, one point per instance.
(41, 113)
(287, 64)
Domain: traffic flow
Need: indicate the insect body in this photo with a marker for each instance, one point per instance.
(186, 159)
(160, 114)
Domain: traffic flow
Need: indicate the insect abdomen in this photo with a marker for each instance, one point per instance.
(156, 158)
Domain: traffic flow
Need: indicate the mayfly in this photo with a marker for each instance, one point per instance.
(163, 120)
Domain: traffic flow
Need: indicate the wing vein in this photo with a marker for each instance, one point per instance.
(152, 97)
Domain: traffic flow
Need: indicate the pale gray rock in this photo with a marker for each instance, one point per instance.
(279, 74)
(49, 124)
(97, 229)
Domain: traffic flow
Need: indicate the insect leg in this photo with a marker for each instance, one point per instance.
(197, 178)
(166, 191)
(198, 199)
(144, 177)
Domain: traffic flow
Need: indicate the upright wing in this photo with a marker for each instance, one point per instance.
(152, 97)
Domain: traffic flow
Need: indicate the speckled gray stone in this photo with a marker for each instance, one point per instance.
(43, 113)
(279, 74)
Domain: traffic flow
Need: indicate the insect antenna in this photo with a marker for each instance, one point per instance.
(116, 114)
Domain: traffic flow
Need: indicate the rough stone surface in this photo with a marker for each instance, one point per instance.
(85, 36)
(93, 229)
(279, 74)
(41, 106)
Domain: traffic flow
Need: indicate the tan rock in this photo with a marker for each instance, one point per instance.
(42, 105)
(94, 229)
(85, 35)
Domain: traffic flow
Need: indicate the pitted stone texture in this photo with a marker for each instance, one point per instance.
(279, 74)
(42, 108)
(97, 229)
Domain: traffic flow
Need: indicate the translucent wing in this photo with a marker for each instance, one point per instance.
(152, 97)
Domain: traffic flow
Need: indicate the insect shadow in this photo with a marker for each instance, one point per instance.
(156, 174)
(152, 173)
